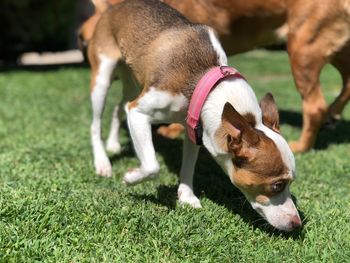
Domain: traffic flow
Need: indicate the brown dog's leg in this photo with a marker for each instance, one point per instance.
(318, 34)
(306, 66)
(342, 63)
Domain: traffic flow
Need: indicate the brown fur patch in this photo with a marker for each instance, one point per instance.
(221, 135)
(264, 159)
(221, 139)
(172, 131)
(262, 199)
(179, 71)
(256, 186)
(250, 119)
(132, 104)
(94, 61)
(256, 165)
(270, 115)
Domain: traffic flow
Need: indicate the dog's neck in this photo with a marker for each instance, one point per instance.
(237, 92)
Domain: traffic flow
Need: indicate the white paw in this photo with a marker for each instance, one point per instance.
(136, 176)
(103, 167)
(186, 197)
(113, 146)
(193, 201)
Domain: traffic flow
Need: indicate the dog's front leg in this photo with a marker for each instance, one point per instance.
(141, 135)
(189, 158)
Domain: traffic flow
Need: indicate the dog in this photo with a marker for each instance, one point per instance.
(316, 35)
(174, 61)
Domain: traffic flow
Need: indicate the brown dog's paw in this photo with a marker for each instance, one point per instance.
(172, 131)
(331, 121)
(298, 147)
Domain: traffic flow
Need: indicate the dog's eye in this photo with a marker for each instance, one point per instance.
(278, 186)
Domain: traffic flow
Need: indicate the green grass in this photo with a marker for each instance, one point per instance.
(54, 208)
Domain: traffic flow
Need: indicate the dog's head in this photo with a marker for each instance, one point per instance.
(261, 163)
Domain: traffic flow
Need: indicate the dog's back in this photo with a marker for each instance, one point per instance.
(145, 34)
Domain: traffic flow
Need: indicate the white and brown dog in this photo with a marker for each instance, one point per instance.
(167, 55)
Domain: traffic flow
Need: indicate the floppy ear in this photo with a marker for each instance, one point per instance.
(239, 132)
(270, 116)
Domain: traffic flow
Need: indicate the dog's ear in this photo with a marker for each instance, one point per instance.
(239, 133)
(270, 116)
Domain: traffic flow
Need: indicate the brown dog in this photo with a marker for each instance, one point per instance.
(317, 34)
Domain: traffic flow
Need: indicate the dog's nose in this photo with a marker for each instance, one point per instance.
(295, 222)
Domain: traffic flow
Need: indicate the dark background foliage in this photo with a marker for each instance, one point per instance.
(40, 25)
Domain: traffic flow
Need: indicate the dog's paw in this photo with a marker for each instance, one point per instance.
(103, 167)
(136, 176)
(331, 121)
(298, 147)
(113, 146)
(192, 201)
(186, 197)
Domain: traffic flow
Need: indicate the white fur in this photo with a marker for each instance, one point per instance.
(141, 135)
(242, 98)
(102, 83)
(185, 190)
(154, 106)
(162, 106)
(217, 47)
(113, 144)
(279, 211)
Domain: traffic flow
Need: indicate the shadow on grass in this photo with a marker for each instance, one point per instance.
(212, 183)
(327, 136)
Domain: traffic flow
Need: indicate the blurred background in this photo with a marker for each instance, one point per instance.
(44, 32)
(39, 25)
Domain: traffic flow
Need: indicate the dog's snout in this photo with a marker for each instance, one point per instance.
(295, 222)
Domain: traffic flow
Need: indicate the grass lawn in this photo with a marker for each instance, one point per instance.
(54, 208)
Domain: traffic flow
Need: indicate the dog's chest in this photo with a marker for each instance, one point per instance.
(163, 106)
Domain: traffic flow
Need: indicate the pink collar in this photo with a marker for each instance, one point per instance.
(200, 94)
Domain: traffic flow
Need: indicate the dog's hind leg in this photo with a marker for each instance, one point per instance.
(342, 63)
(130, 91)
(306, 68)
(315, 37)
(185, 190)
(308, 53)
(102, 70)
